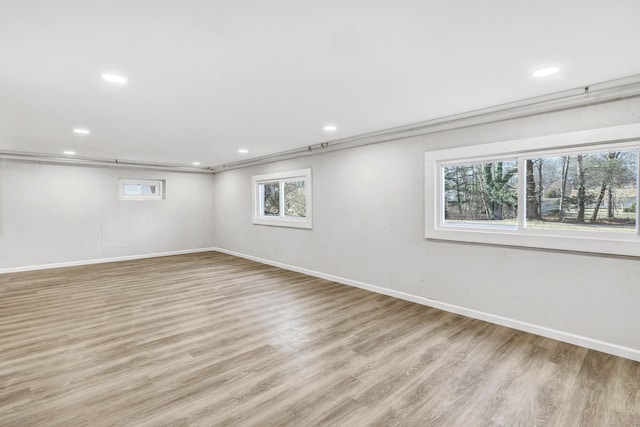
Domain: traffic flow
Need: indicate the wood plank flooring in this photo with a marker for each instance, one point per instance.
(213, 340)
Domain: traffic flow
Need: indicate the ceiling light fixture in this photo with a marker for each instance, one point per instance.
(114, 78)
(330, 128)
(243, 151)
(543, 72)
(82, 131)
(195, 163)
(69, 152)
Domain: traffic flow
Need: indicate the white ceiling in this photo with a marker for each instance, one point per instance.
(209, 77)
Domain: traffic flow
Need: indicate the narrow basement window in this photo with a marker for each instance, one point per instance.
(141, 189)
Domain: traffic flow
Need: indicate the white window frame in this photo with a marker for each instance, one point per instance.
(595, 140)
(128, 181)
(282, 178)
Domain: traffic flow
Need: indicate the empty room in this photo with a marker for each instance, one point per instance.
(336, 213)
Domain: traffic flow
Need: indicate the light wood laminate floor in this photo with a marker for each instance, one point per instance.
(209, 339)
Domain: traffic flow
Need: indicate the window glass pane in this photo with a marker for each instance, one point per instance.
(591, 191)
(270, 199)
(295, 203)
(149, 189)
(482, 193)
(132, 189)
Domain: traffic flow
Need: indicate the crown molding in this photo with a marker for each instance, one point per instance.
(88, 161)
(613, 90)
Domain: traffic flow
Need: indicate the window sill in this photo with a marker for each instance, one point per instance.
(280, 222)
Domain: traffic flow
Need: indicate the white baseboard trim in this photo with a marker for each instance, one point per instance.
(101, 260)
(567, 337)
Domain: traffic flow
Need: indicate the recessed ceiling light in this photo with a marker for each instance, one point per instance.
(243, 151)
(330, 128)
(195, 163)
(114, 78)
(69, 152)
(543, 72)
(82, 131)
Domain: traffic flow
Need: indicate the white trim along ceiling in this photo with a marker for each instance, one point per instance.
(203, 86)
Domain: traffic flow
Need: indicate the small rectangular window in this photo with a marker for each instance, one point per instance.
(139, 189)
(283, 199)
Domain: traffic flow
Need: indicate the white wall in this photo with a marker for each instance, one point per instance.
(369, 226)
(57, 213)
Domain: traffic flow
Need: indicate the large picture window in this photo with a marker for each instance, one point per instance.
(283, 199)
(576, 191)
